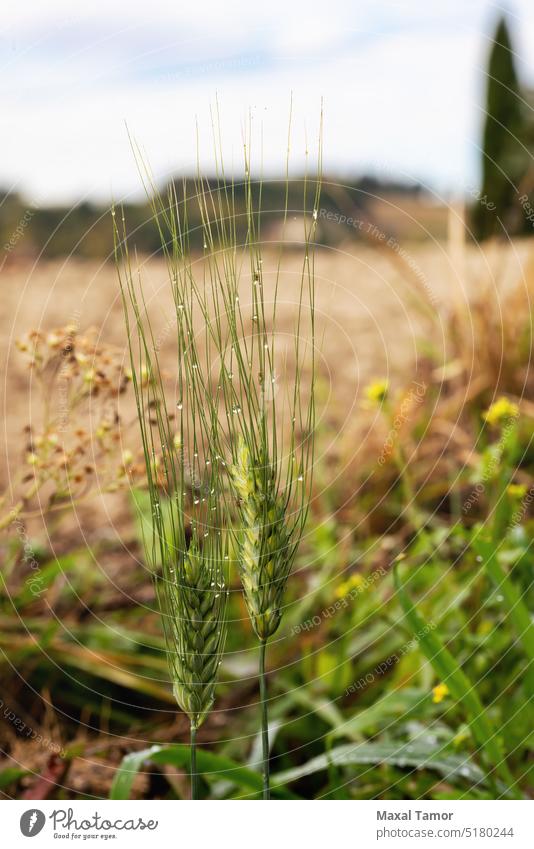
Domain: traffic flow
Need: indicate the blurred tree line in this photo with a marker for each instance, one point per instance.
(86, 229)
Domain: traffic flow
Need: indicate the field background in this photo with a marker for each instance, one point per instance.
(354, 707)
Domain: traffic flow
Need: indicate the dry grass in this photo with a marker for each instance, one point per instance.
(377, 313)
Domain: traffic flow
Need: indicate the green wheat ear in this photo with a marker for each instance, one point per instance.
(264, 553)
(270, 471)
(189, 543)
(192, 600)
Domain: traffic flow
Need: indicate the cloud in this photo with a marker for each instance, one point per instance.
(402, 87)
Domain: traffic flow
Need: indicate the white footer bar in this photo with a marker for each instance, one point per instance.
(283, 825)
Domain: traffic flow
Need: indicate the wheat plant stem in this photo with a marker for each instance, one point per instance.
(264, 722)
(194, 773)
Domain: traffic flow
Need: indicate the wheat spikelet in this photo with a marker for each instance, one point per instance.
(263, 545)
(192, 598)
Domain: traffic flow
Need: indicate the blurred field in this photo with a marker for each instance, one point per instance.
(83, 665)
(376, 309)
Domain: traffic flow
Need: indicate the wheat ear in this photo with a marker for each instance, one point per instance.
(188, 543)
(264, 547)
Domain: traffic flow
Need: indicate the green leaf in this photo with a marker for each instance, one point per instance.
(324, 708)
(402, 755)
(390, 706)
(179, 756)
(11, 774)
(397, 704)
(460, 687)
(515, 606)
(129, 767)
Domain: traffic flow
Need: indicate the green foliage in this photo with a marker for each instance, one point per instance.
(209, 764)
(460, 687)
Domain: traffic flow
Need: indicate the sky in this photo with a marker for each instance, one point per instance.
(402, 87)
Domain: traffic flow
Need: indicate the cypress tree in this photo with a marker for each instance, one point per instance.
(503, 158)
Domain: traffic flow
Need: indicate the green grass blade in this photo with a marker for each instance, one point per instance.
(515, 606)
(460, 688)
(401, 755)
(130, 765)
(178, 756)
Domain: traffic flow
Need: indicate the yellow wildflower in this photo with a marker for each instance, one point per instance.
(439, 692)
(501, 411)
(517, 490)
(377, 391)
